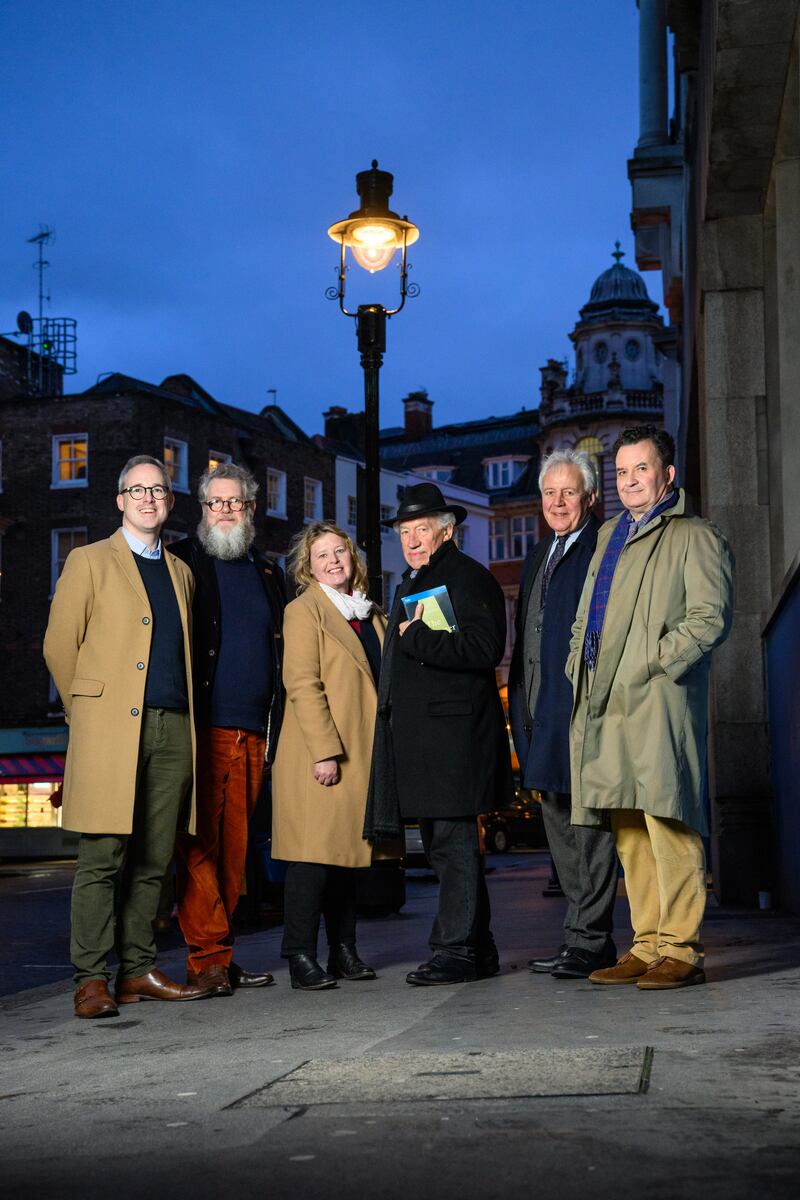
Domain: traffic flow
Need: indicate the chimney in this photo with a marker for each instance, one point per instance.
(344, 426)
(418, 417)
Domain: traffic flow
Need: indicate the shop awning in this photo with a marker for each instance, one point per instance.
(31, 768)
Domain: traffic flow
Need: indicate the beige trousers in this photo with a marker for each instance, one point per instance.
(665, 877)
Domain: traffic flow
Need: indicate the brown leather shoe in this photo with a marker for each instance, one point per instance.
(628, 970)
(668, 972)
(156, 986)
(214, 979)
(93, 999)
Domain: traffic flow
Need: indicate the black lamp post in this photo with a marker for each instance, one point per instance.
(374, 233)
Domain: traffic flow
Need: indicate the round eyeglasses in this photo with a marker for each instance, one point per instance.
(234, 503)
(139, 491)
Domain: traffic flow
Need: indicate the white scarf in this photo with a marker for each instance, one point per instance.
(356, 607)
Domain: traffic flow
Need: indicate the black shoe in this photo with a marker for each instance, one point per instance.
(344, 963)
(443, 969)
(579, 964)
(487, 962)
(544, 966)
(248, 979)
(306, 973)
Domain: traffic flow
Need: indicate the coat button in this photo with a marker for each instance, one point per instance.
(145, 620)
(134, 712)
(140, 666)
(211, 653)
(205, 683)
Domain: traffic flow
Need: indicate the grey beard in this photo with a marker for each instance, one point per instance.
(227, 545)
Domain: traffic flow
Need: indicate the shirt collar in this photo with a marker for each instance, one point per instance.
(668, 502)
(139, 548)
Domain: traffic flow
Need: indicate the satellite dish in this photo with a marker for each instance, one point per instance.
(24, 322)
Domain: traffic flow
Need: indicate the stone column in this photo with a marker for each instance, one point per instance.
(652, 73)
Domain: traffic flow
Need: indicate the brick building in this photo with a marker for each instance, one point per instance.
(60, 458)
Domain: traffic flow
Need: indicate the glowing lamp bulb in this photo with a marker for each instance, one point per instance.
(373, 245)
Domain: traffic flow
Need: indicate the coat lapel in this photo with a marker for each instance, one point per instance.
(124, 556)
(342, 632)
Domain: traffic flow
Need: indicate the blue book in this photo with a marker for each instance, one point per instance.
(437, 609)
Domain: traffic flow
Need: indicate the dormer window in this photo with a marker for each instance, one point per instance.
(502, 472)
(437, 474)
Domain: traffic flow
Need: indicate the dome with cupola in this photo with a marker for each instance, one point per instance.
(618, 290)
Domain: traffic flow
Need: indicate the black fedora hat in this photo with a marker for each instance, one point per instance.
(421, 499)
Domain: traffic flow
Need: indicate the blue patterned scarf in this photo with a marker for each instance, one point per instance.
(623, 532)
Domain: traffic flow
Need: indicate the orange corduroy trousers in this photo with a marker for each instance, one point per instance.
(210, 864)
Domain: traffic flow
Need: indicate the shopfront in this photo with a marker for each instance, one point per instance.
(31, 773)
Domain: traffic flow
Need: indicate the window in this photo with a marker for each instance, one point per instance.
(216, 458)
(437, 474)
(523, 535)
(460, 536)
(176, 460)
(498, 536)
(276, 493)
(352, 510)
(595, 450)
(386, 512)
(70, 460)
(502, 472)
(312, 500)
(387, 590)
(61, 542)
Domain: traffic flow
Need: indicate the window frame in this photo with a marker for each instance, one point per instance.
(318, 513)
(58, 439)
(280, 476)
(180, 484)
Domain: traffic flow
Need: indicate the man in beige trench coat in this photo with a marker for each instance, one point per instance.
(656, 601)
(118, 645)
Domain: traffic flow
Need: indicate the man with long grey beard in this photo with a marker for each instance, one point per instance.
(237, 615)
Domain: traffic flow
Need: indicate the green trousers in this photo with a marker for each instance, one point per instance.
(120, 874)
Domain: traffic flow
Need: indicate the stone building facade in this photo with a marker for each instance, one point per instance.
(716, 209)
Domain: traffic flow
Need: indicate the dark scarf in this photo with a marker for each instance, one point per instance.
(382, 815)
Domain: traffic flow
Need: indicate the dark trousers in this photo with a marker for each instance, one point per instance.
(461, 928)
(311, 890)
(124, 872)
(586, 862)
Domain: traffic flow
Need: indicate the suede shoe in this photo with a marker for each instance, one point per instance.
(443, 969)
(344, 963)
(156, 986)
(214, 979)
(248, 979)
(627, 970)
(577, 963)
(544, 966)
(668, 972)
(307, 975)
(93, 999)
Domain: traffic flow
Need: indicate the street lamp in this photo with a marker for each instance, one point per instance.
(374, 234)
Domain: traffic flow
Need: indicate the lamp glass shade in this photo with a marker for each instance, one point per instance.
(375, 239)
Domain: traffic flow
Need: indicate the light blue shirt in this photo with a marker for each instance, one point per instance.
(139, 547)
(576, 533)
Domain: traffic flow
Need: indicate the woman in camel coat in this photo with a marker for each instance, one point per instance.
(333, 637)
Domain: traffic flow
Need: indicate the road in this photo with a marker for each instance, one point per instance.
(520, 1082)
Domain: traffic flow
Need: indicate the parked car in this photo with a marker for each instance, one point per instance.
(520, 824)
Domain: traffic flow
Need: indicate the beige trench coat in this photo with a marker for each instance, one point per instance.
(330, 709)
(638, 732)
(99, 632)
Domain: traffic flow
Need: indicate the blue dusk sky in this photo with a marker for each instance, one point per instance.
(190, 155)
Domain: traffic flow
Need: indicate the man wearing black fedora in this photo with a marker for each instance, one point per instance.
(441, 751)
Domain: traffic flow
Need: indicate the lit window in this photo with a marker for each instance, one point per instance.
(498, 536)
(276, 493)
(62, 541)
(523, 535)
(217, 458)
(70, 460)
(312, 500)
(352, 510)
(595, 449)
(176, 460)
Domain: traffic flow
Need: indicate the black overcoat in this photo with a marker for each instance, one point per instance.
(207, 630)
(541, 739)
(449, 741)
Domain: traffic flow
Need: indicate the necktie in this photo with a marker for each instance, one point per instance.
(553, 561)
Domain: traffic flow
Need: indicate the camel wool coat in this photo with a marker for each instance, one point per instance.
(638, 732)
(331, 700)
(97, 648)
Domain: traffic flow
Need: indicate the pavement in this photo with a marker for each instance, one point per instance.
(562, 1088)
